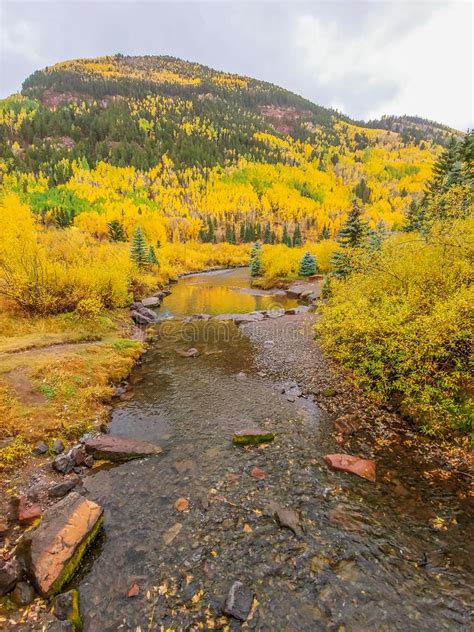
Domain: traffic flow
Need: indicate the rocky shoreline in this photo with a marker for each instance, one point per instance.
(363, 434)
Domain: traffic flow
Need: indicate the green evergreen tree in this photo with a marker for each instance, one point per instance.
(308, 265)
(352, 235)
(297, 236)
(138, 248)
(377, 235)
(256, 268)
(286, 239)
(116, 231)
(152, 258)
(325, 234)
(255, 251)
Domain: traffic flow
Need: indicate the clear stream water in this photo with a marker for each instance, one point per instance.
(368, 559)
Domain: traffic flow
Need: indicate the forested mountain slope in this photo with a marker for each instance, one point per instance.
(213, 155)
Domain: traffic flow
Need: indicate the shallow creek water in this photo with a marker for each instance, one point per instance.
(360, 563)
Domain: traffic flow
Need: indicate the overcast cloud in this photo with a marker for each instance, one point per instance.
(364, 58)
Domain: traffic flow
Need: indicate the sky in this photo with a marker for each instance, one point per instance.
(363, 58)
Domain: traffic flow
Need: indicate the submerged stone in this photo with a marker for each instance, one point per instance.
(252, 436)
(352, 464)
(55, 548)
(286, 518)
(66, 608)
(116, 448)
(238, 602)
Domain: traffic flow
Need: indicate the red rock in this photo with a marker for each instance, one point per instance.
(55, 548)
(351, 464)
(256, 472)
(182, 504)
(28, 513)
(133, 590)
(116, 448)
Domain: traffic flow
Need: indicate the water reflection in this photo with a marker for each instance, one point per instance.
(219, 293)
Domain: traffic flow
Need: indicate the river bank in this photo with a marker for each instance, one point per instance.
(354, 541)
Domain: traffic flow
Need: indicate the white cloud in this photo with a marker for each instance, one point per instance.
(21, 38)
(421, 69)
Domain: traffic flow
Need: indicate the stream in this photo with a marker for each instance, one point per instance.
(361, 564)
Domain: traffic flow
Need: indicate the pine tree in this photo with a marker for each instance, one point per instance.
(377, 235)
(286, 239)
(308, 265)
(354, 231)
(297, 236)
(351, 236)
(138, 248)
(255, 251)
(152, 258)
(256, 268)
(325, 234)
(116, 231)
(447, 169)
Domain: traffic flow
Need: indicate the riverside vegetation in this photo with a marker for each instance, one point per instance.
(120, 173)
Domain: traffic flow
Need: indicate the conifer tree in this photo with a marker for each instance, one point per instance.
(152, 258)
(256, 250)
(256, 268)
(116, 231)
(138, 248)
(351, 236)
(297, 236)
(325, 234)
(308, 265)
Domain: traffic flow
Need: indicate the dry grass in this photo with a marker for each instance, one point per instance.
(56, 376)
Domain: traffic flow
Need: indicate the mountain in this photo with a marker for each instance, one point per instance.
(132, 110)
(417, 129)
(217, 156)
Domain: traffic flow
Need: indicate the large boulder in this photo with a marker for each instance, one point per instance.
(352, 464)
(55, 548)
(116, 448)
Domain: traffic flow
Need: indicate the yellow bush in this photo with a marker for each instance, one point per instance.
(281, 262)
(402, 325)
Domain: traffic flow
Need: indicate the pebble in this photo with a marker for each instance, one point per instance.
(58, 446)
(238, 602)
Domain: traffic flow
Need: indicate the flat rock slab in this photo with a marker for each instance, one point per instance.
(252, 436)
(238, 602)
(116, 448)
(352, 464)
(56, 547)
(151, 301)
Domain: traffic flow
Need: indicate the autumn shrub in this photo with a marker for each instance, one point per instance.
(89, 308)
(402, 325)
(281, 262)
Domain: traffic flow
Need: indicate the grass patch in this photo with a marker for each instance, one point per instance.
(65, 388)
